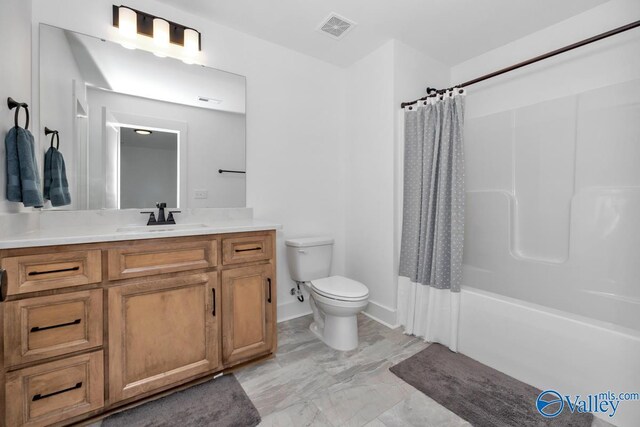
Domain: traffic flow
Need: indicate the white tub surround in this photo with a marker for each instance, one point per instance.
(49, 228)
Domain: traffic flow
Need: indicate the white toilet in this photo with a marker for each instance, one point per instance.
(335, 300)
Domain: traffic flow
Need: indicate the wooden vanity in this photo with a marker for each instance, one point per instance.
(88, 328)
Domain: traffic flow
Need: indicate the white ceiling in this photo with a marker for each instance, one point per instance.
(450, 31)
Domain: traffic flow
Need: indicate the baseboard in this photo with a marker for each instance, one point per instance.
(381, 314)
(292, 310)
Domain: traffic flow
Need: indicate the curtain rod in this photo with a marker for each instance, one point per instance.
(433, 92)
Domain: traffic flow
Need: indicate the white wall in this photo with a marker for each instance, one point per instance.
(369, 178)
(15, 70)
(295, 106)
(376, 85)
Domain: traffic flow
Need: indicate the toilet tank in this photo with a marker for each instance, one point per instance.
(309, 258)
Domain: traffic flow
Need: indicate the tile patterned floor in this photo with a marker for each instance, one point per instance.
(310, 384)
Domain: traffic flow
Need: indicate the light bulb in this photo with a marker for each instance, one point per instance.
(191, 41)
(160, 35)
(128, 25)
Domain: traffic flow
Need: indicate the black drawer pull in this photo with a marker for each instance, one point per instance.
(213, 312)
(3, 284)
(249, 249)
(62, 270)
(44, 396)
(269, 282)
(61, 325)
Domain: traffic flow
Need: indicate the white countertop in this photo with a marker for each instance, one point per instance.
(66, 235)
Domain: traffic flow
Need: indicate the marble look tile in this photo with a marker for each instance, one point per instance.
(364, 358)
(597, 422)
(309, 383)
(257, 370)
(363, 397)
(407, 349)
(280, 387)
(356, 405)
(375, 423)
(420, 411)
(299, 415)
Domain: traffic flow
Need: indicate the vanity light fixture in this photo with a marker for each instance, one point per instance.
(131, 22)
(142, 131)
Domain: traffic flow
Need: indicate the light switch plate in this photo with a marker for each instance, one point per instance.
(201, 194)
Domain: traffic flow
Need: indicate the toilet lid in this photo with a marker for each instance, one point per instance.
(340, 288)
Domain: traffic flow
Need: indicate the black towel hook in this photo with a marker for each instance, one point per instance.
(54, 134)
(12, 103)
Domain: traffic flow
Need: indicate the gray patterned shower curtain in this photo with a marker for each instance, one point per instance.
(433, 219)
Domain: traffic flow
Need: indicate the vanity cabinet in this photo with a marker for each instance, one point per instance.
(108, 324)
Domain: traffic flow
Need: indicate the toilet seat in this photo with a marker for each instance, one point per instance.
(340, 288)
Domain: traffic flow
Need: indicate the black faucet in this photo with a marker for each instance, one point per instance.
(161, 219)
(161, 207)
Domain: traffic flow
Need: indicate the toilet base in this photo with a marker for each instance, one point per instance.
(336, 322)
(345, 332)
(317, 331)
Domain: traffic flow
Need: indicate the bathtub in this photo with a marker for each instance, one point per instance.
(552, 349)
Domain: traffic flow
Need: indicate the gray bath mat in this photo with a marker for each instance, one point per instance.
(221, 403)
(477, 393)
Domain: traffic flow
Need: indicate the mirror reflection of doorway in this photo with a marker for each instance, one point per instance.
(148, 165)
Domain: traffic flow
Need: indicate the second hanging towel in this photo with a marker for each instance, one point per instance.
(56, 187)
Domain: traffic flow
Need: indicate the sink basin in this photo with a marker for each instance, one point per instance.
(158, 228)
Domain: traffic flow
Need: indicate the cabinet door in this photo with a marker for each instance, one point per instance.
(248, 298)
(162, 332)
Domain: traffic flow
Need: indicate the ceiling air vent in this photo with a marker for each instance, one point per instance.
(336, 26)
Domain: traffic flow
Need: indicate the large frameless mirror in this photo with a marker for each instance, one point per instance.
(136, 129)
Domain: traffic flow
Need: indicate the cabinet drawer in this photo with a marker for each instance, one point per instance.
(55, 391)
(148, 259)
(246, 249)
(37, 328)
(33, 273)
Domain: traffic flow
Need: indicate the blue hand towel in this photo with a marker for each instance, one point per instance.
(23, 179)
(56, 187)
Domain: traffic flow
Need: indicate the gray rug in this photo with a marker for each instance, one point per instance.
(477, 393)
(221, 402)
